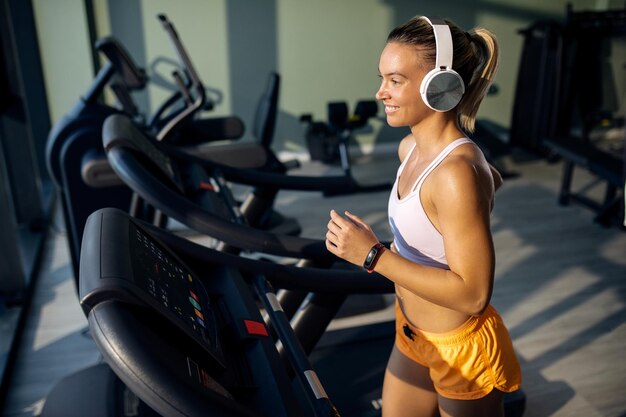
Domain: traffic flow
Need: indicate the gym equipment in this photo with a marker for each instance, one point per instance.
(180, 184)
(329, 141)
(214, 353)
(191, 343)
(193, 191)
(589, 108)
(76, 160)
(125, 144)
(536, 106)
(442, 88)
(74, 153)
(142, 313)
(80, 131)
(86, 182)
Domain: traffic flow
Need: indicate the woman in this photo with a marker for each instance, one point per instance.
(452, 353)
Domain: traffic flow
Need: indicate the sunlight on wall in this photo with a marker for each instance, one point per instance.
(202, 29)
(329, 51)
(65, 52)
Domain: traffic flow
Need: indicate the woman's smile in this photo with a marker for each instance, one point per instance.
(391, 109)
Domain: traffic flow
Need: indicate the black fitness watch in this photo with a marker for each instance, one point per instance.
(372, 257)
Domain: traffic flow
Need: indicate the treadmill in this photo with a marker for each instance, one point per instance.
(115, 245)
(195, 193)
(190, 342)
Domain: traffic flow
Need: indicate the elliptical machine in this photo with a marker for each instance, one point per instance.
(74, 155)
(79, 131)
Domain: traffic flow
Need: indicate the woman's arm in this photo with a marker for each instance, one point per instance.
(462, 217)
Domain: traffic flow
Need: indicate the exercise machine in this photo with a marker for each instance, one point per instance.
(329, 141)
(150, 295)
(74, 154)
(128, 245)
(190, 344)
(536, 106)
(76, 160)
(590, 112)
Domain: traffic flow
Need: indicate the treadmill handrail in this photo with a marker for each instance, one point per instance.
(177, 206)
(321, 404)
(291, 277)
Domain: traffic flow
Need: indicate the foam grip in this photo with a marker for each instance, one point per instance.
(200, 131)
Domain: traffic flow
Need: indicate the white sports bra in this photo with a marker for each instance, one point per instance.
(415, 237)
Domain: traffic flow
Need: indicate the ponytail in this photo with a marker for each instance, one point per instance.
(484, 47)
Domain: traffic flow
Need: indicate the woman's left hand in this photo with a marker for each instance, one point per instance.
(349, 237)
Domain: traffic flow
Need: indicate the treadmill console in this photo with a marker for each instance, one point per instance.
(175, 290)
(156, 326)
(145, 274)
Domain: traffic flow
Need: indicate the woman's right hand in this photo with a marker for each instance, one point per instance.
(349, 237)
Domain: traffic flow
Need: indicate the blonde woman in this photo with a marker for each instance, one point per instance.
(452, 354)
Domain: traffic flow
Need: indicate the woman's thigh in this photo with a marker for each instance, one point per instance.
(407, 389)
(491, 405)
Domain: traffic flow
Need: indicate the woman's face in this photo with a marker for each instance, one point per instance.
(401, 75)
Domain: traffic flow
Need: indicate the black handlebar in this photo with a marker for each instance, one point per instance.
(133, 76)
(180, 49)
(195, 86)
(344, 280)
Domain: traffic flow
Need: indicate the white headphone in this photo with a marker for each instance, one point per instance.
(442, 88)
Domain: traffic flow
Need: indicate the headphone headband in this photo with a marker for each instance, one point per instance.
(442, 88)
(443, 42)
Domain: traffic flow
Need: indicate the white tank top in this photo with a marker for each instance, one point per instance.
(414, 236)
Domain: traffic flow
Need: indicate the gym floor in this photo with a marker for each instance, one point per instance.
(560, 286)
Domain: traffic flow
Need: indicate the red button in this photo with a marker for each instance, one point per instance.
(255, 328)
(206, 186)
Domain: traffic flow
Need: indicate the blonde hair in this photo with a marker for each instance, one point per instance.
(476, 55)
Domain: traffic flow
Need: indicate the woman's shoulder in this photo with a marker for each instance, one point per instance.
(467, 152)
(466, 156)
(465, 168)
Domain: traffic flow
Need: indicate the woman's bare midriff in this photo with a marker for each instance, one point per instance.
(427, 316)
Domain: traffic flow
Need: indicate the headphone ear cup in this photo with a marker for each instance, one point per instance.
(442, 89)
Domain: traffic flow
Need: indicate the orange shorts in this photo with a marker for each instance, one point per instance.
(468, 362)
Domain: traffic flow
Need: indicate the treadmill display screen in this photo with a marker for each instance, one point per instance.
(174, 289)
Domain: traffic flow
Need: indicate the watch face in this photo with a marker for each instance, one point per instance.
(370, 257)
